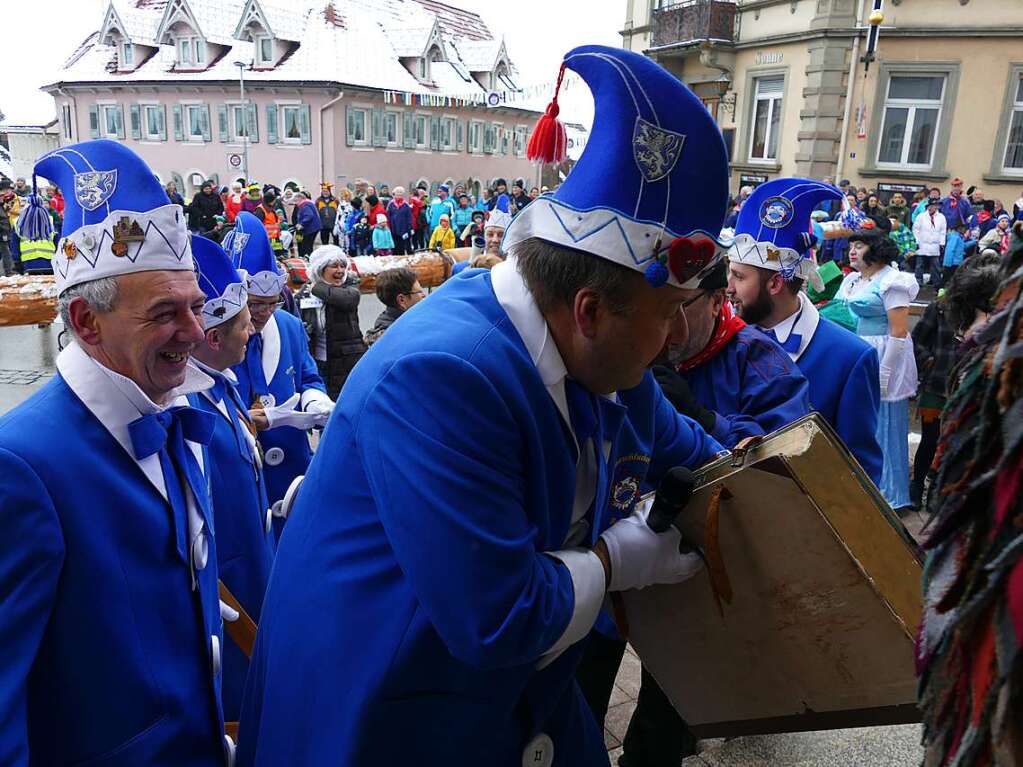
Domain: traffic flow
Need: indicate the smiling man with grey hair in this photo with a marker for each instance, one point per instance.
(110, 595)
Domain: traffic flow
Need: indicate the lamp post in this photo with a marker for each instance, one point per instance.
(245, 116)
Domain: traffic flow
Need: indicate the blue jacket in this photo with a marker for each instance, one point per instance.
(413, 560)
(295, 371)
(752, 386)
(958, 215)
(955, 248)
(845, 389)
(307, 217)
(439, 207)
(245, 542)
(400, 219)
(107, 650)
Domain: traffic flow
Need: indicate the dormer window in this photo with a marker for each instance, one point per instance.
(127, 55)
(264, 50)
(191, 51)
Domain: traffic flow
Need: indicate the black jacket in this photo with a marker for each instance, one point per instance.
(344, 336)
(202, 210)
(385, 319)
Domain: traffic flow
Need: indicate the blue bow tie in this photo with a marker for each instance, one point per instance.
(790, 344)
(149, 433)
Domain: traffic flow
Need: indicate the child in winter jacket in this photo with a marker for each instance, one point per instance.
(383, 241)
(956, 246)
(362, 236)
(443, 236)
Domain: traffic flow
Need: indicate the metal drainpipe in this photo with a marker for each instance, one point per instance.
(319, 144)
(849, 95)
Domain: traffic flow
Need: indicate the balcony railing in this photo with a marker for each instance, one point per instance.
(692, 20)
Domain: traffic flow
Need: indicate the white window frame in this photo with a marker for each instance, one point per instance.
(103, 106)
(258, 45)
(449, 124)
(1016, 112)
(367, 126)
(521, 139)
(911, 105)
(126, 59)
(476, 147)
(776, 103)
(234, 108)
(398, 124)
(144, 109)
(282, 108)
(195, 49)
(186, 122)
(65, 110)
(425, 144)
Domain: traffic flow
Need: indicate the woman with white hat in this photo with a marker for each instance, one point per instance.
(335, 337)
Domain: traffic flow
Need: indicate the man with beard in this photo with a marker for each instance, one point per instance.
(769, 265)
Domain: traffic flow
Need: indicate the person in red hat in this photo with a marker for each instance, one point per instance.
(956, 208)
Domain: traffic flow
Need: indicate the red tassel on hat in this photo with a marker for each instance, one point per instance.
(549, 141)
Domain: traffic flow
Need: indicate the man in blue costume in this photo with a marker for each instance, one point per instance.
(736, 383)
(278, 378)
(245, 543)
(769, 263)
(428, 607)
(110, 624)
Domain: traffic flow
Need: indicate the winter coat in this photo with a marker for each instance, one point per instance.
(385, 319)
(417, 206)
(900, 213)
(327, 208)
(374, 212)
(306, 219)
(445, 238)
(955, 248)
(202, 211)
(957, 212)
(994, 240)
(249, 205)
(400, 219)
(344, 336)
(382, 239)
(437, 209)
(461, 219)
(930, 235)
(233, 207)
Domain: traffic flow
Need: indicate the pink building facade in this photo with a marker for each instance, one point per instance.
(313, 109)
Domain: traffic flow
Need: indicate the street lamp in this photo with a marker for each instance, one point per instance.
(245, 117)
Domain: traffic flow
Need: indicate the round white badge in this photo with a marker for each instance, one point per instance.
(274, 456)
(539, 752)
(266, 400)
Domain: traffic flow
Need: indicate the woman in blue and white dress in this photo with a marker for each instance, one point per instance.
(878, 296)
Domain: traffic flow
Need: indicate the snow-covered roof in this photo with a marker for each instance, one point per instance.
(357, 43)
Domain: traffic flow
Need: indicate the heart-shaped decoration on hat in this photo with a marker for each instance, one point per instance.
(687, 258)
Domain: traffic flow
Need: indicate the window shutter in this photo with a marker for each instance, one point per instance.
(271, 123)
(435, 133)
(94, 121)
(253, 123)
(161, 121)
(222, 121)
(379, 134)
(119, 120)
(349, 126)
(488, 139)
(135, 120)
(179, 134)
(408, 131)
(204, 119)
(461, 135)
(304, 127)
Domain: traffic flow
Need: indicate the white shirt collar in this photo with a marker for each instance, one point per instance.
(225, 373)
(803, 321)
(114, 399)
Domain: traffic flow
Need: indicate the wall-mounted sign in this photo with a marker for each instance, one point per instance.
(768, 57)
(885, 191)
(234, 160)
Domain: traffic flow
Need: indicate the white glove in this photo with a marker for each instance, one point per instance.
(894, 349)
(321, 409)
(286, 415)
(228, 613)
(640, 557)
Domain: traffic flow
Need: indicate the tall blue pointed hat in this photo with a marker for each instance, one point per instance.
(219, 280)
(248, 247)
(117, 217)
(651, 187)
(774, 230)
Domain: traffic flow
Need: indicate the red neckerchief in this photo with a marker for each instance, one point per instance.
(728, 324)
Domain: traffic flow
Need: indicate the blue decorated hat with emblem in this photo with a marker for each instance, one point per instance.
(219, 280)
(248, 247)
(651, 187)
(117, 218)
(774, 230)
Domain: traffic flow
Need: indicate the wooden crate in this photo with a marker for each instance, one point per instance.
(27, 300)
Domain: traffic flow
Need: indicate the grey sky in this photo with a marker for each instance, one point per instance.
(38, 36)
